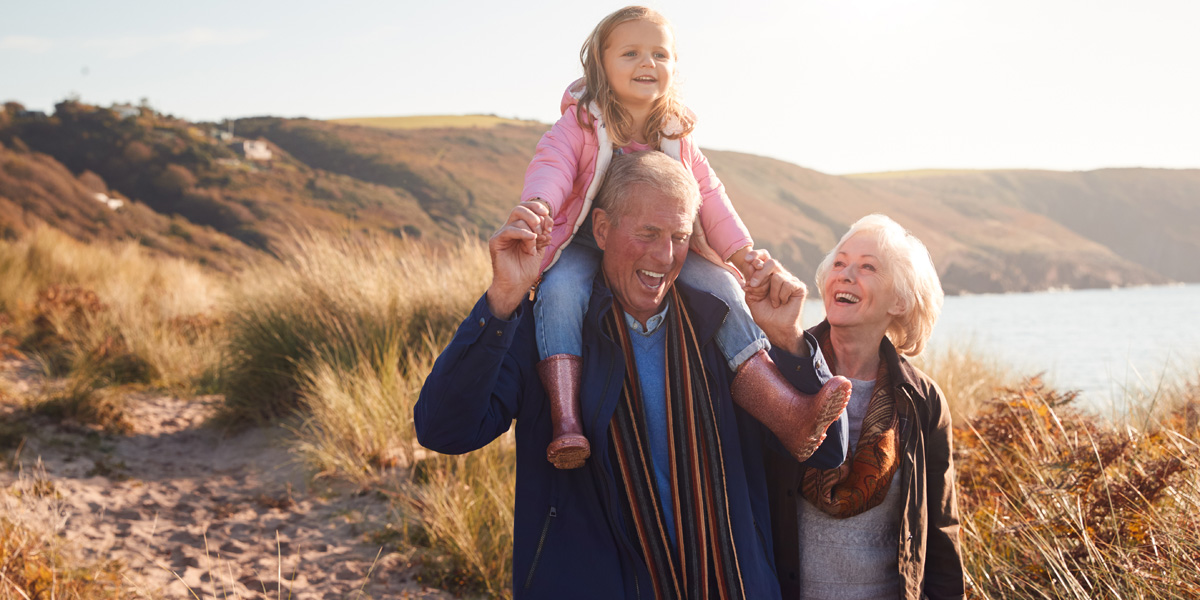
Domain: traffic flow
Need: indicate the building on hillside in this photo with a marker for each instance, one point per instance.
(110, 202)
(253, 150)
(126, 111)
(31, 114)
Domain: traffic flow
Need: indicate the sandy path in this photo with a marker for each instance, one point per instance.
(194, 513)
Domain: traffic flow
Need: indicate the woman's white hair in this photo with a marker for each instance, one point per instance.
(907, 264)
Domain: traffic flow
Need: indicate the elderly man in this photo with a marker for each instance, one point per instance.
(674, 505)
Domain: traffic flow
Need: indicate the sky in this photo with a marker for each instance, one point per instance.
(841, 86)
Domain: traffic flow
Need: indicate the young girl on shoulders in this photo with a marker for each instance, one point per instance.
(627, 101)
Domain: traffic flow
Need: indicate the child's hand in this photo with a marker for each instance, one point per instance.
(776, 301)
(541, 208)
(738, 260)
(768, 280)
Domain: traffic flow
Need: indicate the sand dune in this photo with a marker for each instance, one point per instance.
(191, 511)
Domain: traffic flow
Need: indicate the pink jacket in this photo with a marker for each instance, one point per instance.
(569, 165)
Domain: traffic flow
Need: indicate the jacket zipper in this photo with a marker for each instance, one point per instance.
(762, 541)
(541, 542)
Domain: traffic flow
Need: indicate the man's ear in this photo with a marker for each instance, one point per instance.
(600, 227)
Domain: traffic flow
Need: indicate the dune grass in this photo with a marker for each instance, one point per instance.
(336, 305)
(343, 334)
(339, 335)
(461, 508)
(1057, 503)
(968, 377)
(103, 315)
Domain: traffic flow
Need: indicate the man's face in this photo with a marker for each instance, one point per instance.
(644, 252)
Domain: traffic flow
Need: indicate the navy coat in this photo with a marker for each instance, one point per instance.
(571, 539)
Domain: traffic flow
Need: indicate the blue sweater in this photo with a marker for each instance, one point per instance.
(571, 538)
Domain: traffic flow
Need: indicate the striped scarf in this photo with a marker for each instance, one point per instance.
(861, 482)
(703, 563)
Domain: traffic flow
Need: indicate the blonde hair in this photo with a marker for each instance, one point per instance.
(915, 280)
(597, 88)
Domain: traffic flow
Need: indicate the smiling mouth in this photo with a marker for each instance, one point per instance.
(650, 279)
(846, 298)
(645, 79)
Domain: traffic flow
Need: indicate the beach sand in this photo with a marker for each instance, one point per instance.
(192, 511)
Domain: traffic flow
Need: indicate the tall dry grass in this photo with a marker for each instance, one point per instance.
(113, 308)
(336, 304)
(1057, 502)
(357, 419)
(461, 508)
(344, 333)
(968, 377)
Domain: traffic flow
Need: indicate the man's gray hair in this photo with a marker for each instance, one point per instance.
(649, 168)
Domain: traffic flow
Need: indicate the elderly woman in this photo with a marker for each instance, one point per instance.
(885, 523)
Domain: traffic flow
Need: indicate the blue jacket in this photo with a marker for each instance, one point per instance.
(570, 539)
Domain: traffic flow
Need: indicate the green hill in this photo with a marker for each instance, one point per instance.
(190, 194)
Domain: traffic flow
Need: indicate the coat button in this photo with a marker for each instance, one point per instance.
(482, 322)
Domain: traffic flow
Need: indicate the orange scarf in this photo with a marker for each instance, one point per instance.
(861, 482)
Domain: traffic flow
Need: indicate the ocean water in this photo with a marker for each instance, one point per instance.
(1110, 345)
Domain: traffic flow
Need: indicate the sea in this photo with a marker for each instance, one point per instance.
(1113, 346)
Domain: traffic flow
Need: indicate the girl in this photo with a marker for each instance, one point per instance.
(626, 102)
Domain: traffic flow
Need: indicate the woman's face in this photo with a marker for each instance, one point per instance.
(858, 290)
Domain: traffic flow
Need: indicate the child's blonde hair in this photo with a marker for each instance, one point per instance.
(597, 88)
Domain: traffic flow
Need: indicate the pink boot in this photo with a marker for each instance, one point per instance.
(798, 420)
(561, 375)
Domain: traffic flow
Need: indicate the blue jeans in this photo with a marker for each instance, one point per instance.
(566, 288)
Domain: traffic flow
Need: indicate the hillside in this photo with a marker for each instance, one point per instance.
(1149, 216)
(433, 178)
(37, 190)
(180, 179)
(978, 244)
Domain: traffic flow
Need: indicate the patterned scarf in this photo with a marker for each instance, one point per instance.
(861, 482)
(703, 563)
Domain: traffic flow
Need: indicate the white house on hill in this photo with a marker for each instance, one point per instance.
(253, 149)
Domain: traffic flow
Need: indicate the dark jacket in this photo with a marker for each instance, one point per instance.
(930, 561)
(571, 539)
